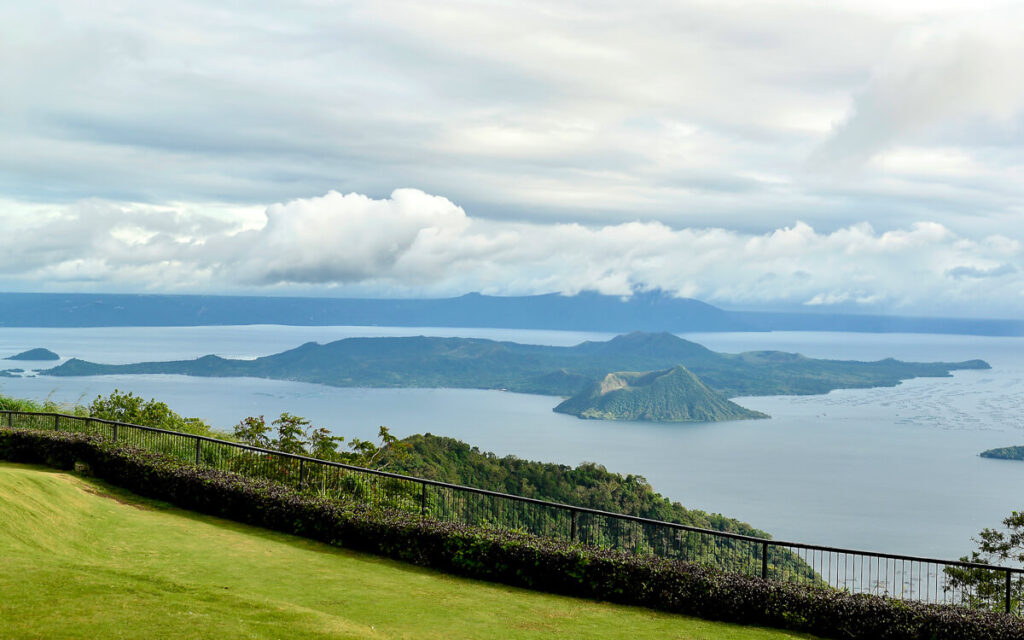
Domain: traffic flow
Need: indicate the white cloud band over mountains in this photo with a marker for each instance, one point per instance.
(413, 243)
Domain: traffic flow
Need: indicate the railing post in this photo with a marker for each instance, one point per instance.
(199, 441)
(572, 529)
(56, 422)
(423, 499)
(302, 472)
(10, 419)
(115, 432)
(764, 560)
(1008, 583)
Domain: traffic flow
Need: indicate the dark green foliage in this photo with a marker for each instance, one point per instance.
(130, 408)
(254, 431)
(291, 434)
(995, 546)
(672, 395)
(369, 454)
(510, 557)
(322, 445)
(562, 371)
(1005, 453)
(587, 485)
(296, 435)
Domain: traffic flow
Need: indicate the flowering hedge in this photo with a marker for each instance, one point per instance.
(510, 557)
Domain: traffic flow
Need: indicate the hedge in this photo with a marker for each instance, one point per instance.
(510, 557)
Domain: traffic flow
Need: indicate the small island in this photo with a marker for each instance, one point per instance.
(672, 395)
(1004, 453)
(38, 354)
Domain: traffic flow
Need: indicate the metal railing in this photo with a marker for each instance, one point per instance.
(903, 577)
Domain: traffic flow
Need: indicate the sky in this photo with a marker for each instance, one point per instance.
(851, 155)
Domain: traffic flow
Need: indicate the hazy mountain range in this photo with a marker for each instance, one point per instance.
(587, 311)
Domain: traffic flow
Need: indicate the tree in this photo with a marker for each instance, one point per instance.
(296, 435)
(986, 588)
(253, 431)
(291, 434)
(365, 453)
(323, 445)
(130, 408)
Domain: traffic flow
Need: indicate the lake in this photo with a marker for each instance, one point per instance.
(888, 469)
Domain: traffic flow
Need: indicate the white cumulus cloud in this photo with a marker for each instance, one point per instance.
(415, 244)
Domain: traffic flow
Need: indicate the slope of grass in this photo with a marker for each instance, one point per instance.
(82, 559)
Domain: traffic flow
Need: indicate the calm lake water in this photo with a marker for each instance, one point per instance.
(891, 469)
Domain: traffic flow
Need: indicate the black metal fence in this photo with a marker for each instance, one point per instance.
(896, 576)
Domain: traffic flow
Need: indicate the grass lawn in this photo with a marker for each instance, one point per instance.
(80, 559)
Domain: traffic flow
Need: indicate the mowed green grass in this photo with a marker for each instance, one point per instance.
(80, 559)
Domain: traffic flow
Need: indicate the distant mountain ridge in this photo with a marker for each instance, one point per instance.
(650, 311)
(586, 311)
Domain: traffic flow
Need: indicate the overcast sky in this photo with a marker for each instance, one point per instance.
(846, 155)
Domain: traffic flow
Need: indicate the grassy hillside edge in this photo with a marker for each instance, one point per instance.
(509, 557)
(73, 547)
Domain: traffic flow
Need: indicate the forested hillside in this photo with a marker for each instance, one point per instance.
(587, 485)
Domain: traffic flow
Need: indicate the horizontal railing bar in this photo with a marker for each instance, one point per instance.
(545, 503)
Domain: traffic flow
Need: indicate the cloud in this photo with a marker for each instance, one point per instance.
(345, 238)
(692, 114)
(975, 272)
(587, 146)
(416, 244)
(931, 82)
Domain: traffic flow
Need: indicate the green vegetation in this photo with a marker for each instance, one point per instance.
(35, 354)
(296, 435)
(673, 395)
(130, 408)
(85, 560)
(506, 556)
(119, 407)
(587, 485)
(47, 406)
(1005, 453)
(452, 461)
(559, 371)
(449, 460)
(987, 589)
(446, 459)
